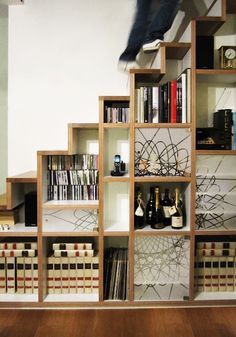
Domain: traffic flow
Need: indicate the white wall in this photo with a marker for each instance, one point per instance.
(3, 95)
(62, 55)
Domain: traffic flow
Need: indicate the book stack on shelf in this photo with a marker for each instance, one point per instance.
(166, 103)
(116, 114)
(116, 274)
(73, 177)
(215, 266)
(72, 268)
(18, 268)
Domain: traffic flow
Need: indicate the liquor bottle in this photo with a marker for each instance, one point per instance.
(166, 204)
(176, 212)
(139, 219)
(157, 214)
(150, 206)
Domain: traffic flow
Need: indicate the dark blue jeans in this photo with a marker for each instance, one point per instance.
(144, 31)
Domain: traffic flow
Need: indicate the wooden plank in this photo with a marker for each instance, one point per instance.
(26, 177)
(3, 201)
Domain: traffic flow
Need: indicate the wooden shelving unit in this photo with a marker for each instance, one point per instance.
(114, 211)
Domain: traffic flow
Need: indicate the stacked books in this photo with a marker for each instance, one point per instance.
(116, 114)
(167, 103)
(73, 177)
(18, 267)
(215, 266)
(116, 274)
(72, 268)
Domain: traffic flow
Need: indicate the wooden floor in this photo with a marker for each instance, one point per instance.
(197, 322)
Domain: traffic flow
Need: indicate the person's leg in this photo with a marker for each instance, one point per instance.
(162, 22)
(138, 31)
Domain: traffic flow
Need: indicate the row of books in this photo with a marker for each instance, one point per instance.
(215, 266)
(73, 162)
(72, 268)
(116, 115)
(73, 192)
(18, 267)
(73, 177)
(167, 103)
(116, 274)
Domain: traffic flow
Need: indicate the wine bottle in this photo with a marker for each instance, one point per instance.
(157, 214)
(139, 219)
(150, 206)
(176, 212)
(166, 204)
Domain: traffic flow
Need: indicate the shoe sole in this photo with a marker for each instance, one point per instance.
(151, 49)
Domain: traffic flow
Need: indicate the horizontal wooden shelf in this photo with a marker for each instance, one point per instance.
(116, 233)
(82, 204)
(162, 179)
(53, 153)
(27, 177)
(147, 75)
(164, 231)
(216, 75)
(18, 298)
(218, 232)
(114, 98)
(67, 234)
(83, 125)
(216, 152)
(111, 179)
(71, 298)
(116, 125)
(163, 125)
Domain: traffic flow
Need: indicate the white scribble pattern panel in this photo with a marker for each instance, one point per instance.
(216, 193)
(162, 152)
(69, 220)
(161, 270)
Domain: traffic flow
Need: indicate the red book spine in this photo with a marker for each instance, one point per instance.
(173, 102)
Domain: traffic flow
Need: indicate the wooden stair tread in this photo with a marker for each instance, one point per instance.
(3, 202)
(26, 177)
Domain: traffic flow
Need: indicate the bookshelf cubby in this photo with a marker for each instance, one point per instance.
(161, 266)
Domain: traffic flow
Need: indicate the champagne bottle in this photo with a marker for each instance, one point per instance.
(177, 212)
(139, 220)
(150, 206)
(166, 204)
(157, 214)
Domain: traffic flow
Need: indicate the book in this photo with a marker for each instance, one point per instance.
(28, 275)
(73, 253)
(173, 101)
(207, 273)
(35, 275)
(65, 275)
(214, 274)
(20, 275)
(216, 245)
(87, 274)
(200, 274)
(155, 104)
(222, 273)
(18, 252)
(72, 246)
(2, 275)
(80, 274)
(95, 274)
(72, 276)
(215, 252)
(18, 245)
(50, 275)
(230, 273)
(10, 262)
(57, 275)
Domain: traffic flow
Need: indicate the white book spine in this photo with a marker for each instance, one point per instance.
(72, 275)
(28, 275)
(87, 275)
(10, 275)
(2, 275)
(80, 274)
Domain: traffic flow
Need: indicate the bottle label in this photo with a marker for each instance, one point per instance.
(139, 211)
(172, 210)
(166, 211)
(177, 221)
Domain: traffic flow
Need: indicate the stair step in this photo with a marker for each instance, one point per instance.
(208, 25)
(3, 202)
(176, 50)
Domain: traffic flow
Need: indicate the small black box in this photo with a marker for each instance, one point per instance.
(204, 52)
(31, 209)
(211, 139)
